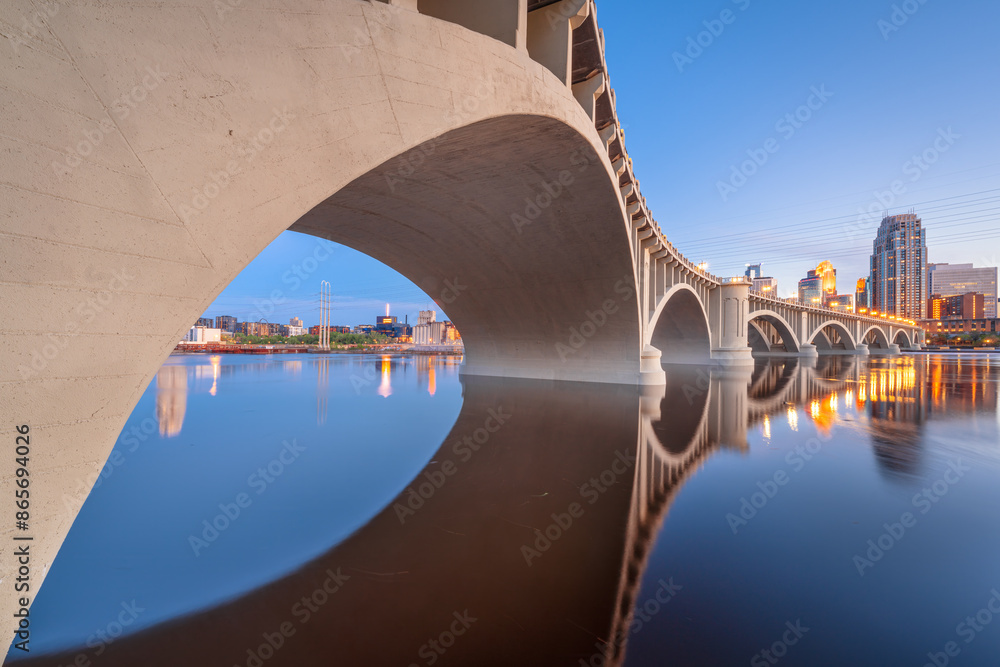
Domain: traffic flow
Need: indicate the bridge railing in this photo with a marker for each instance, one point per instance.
(827, 310)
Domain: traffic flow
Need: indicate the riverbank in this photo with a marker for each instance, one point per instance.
(218, 348)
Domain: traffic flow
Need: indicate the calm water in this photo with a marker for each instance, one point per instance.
(386, 511)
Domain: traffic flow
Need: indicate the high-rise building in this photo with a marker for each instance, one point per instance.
(818, 285)
(861, 294)
(956, 279)
(767, 286)
(811, 290)
(826, 271)
(899, 267)
(204, 322)
(759, 282)
(226, 323)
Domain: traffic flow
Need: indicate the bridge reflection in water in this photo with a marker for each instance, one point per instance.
(536, 518)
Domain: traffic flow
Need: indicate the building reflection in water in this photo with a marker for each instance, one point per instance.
(171, 399)
(499, 537)
(385, 385)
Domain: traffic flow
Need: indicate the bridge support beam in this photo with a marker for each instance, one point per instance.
(550, 36)
(729, 314)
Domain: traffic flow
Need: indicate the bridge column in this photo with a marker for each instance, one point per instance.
(806, 349)
(729, 317)
(861, 350)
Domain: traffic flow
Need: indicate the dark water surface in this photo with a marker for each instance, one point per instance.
(386, 511)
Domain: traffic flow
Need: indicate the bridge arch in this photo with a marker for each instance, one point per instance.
(757, 338)
(902, 339)
(496, 259)
(233, 144)
(781, 325)
(679, 327)
(845, 335)
(876, 338)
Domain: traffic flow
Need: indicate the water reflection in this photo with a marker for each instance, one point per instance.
(385, 387)
(171, 399)
(322, 388)
(526, 520)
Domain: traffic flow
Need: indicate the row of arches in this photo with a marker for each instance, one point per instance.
(681, 331)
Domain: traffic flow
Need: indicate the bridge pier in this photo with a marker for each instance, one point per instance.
(861, 350)
(651, 371)
(807, 350)
(729, 315)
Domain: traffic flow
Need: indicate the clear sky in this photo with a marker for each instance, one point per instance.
(910, 100)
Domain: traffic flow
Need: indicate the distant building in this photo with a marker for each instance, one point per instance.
(760, 283)
(203, 335)
(254, 328)
(435, 333)
(295, 322)
(978, 326)
(426, 317)
(295, 331)
(204, 322)
(767, 286)
(899, 267)
(811, 290)
(385, 324)
(818, 285)
(955, 279)
(861, 294)
(364, 329)
(828, 274)
(314, 330)
(844, 302)
(226, 323)
(959, 307)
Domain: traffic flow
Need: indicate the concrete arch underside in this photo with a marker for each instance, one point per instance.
(902, 339)
(780, 325)
(263, 119)
(823, 341)
(680, 329)
(876, 338)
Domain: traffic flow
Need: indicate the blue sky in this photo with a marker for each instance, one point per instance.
(889, 91)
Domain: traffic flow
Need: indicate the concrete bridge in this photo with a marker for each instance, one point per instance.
(151, 151)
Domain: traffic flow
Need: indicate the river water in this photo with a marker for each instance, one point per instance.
(366, 510)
